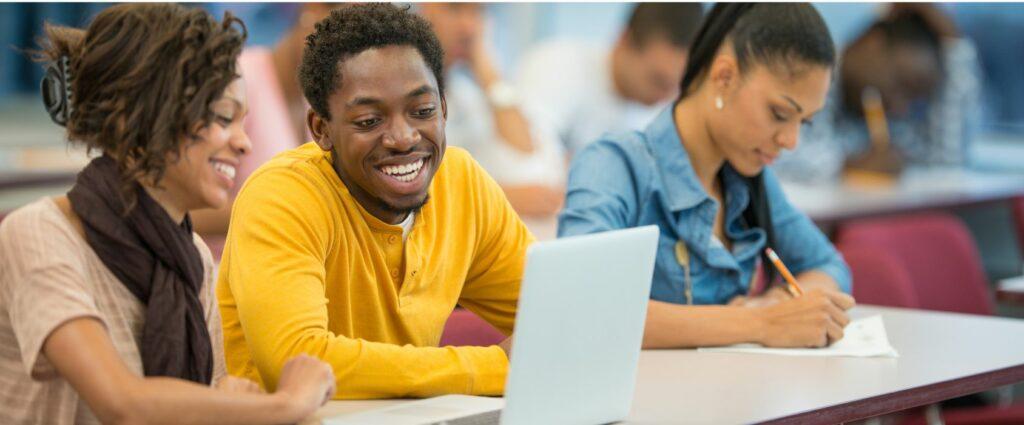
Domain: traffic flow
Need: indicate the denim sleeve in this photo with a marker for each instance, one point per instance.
(799, 242)
(601, 193)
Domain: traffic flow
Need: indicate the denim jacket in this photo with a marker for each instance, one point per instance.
(641, 178)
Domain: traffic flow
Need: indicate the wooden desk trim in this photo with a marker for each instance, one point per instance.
(906, 399)
(1010, 296)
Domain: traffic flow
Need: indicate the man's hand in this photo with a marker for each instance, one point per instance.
(506, 345)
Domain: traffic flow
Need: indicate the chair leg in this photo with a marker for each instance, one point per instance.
(933, 414)
(1004, 396)
(873, 421)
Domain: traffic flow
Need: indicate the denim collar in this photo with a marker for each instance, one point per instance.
(682, 187)
(682, 191)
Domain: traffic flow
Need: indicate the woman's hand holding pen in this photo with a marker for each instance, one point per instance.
(770, 297)
(815, 319)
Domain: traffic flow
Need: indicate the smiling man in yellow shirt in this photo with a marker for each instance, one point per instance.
(355, 248)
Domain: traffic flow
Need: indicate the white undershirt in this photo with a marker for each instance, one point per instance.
(407, 225)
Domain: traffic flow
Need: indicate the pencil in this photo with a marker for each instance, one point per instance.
(794, 288)
(874, 115)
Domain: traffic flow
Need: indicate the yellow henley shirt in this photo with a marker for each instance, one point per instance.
(306, 269)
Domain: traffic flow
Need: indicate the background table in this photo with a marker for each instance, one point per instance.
(917, 189)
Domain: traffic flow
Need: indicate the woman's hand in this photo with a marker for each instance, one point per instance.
(814, 320)
(306, 384)
(234, 384)
(770, 297)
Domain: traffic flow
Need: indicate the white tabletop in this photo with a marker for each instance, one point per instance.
(942, 355)
(916, 189)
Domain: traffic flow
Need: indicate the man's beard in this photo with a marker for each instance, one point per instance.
(403, 211)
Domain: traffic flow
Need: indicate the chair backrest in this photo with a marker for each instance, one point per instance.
(878, 278)
(938, 253)
(465, 328)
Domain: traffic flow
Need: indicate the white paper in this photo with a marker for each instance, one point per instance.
(864, 337)
(1013, 284)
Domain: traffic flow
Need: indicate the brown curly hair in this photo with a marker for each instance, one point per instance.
(143, 77)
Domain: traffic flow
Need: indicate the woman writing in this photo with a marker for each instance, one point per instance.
(756, 74)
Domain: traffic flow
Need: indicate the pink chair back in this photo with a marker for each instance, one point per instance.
(878, 278)
(938, 253)
(465, 328)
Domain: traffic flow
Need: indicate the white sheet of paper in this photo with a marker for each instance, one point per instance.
(1013, 284)
(862, 338)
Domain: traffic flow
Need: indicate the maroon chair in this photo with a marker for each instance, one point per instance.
(938, 254)
(878, 278)
(1008, 415)
(465, 328)
(945, 270)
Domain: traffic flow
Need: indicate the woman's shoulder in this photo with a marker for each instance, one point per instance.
(629, 148)
(39, 228)
(41, 219)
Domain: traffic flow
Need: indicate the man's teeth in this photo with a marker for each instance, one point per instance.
(404, 172)
(225, 169)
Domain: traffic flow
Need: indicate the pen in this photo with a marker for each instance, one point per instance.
(874, 115)
(794, 288)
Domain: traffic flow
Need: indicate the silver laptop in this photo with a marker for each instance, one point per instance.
(576, 344)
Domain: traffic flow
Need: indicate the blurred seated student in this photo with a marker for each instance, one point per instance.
(996, 32)
(107, 308)
(756, 73)
(277, 117)
(928, 79)
(583, 90)
(486, 117)
(356, 247)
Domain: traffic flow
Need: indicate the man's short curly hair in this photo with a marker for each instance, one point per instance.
(351, 30)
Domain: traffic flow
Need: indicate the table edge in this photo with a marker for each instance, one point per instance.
(906, 399)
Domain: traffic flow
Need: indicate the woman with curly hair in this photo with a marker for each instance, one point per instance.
(107, 310)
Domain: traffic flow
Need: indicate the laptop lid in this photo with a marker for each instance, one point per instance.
(579, 328)
(577, 338)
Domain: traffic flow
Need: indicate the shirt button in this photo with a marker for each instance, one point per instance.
(394, 273)
(392, 239)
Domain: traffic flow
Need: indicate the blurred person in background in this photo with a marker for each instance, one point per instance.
(107, 308)
(583, 90)
(928, 79)
(277, 116)
(487, 118)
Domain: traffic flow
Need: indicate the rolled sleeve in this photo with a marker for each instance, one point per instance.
(41, 290)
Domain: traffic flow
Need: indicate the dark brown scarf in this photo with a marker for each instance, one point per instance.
(157, 260)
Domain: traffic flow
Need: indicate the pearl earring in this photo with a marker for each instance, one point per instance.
(718, 103)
